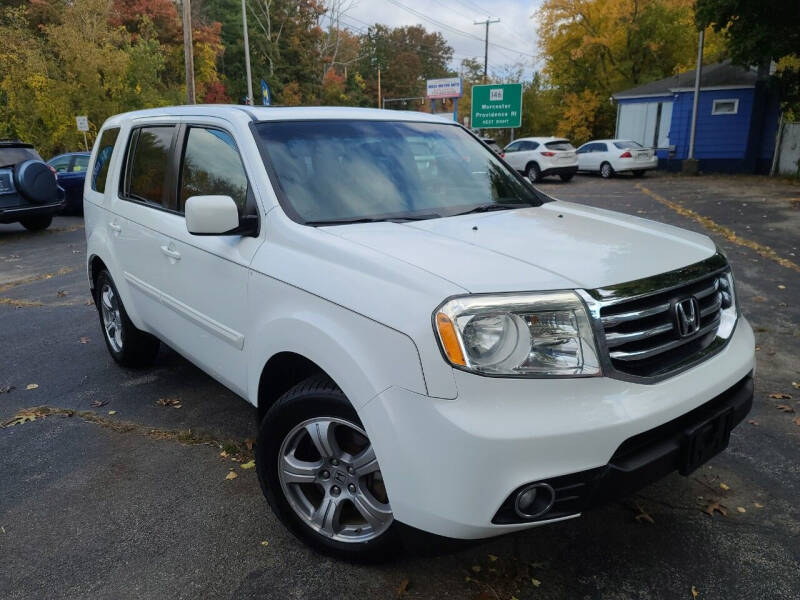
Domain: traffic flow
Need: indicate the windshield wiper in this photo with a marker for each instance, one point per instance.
(481, 208)
(373, 220)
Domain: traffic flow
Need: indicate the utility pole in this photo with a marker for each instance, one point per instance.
(247, 56)
(379, 88)
(690, 164)
(486, 22)
(188, 53)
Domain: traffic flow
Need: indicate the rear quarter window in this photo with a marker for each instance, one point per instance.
(103, 159)
(148, 158)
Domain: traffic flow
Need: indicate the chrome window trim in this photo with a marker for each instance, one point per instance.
(596, 299)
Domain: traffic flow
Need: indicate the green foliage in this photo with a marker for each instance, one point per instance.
(757, 33)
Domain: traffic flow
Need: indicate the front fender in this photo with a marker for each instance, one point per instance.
(362, 356)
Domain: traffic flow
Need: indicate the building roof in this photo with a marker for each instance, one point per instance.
(714, 76)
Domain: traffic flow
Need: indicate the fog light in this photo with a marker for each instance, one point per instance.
(534, 500)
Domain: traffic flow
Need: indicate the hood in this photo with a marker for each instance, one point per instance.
(554, 246)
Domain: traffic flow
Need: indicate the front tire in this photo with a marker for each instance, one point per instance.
(606, 171)
(129, 346)
(37, 223)
(533, 173)
(319, 474)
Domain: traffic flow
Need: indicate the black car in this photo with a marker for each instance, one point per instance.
(29, 192)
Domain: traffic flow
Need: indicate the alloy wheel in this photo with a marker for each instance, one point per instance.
(112, 319)
(330, 476)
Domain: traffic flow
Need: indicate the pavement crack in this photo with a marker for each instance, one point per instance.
(239, 450)
(728, 233)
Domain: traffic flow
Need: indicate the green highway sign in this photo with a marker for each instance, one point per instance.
(496, 106)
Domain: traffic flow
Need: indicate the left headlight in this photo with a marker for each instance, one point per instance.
(524, 335)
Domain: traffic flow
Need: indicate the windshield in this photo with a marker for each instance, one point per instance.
(14, 154)
(338, 170)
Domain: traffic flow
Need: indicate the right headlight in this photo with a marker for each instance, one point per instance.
(544, 334)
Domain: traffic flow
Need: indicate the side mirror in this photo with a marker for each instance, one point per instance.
(217, 215)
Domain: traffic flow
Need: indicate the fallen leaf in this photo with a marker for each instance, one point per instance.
(784, 408)
(61, 293)
(796, 421)
(467, 578)
(223, 454)
(476, 568)
(31, 386)
(796, 385)
(492, 558)
(249, 443)
(759, 299)
(99, 403)
(89, 302)
(780, 396)
(248, 465)
(781, 287)
(264, 543)
(758, 505)
(753, 422)
(112, 412)
(5, 389)
(401, 590)
(535, 582)
(643, 516)
(173, 402)
(724, 486)
(84, 340)
(231, 475)
(715, 506)
(20, 418)
(695, 593)
(741, 509)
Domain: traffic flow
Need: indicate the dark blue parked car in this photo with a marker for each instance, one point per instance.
(71, 173)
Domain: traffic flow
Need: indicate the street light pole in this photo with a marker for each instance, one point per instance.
(188, 53)
(486, 22)
(247, 56)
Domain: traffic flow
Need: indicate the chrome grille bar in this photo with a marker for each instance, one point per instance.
(655, 350)
(633, 315)
(616, 339)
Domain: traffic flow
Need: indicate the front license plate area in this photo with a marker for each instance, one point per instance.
(701, 442)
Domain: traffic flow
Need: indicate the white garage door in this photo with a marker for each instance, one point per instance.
(645, 122)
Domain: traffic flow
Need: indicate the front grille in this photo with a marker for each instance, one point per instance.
(642, 334)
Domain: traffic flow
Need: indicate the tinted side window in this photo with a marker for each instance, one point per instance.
(60, 164)
(101, 163)
(212, 166)
(148, 157)
(513, 147)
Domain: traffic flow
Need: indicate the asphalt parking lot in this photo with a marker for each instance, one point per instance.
(113, 491)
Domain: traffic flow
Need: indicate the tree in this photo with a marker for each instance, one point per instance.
(605, 46)
(757, 33)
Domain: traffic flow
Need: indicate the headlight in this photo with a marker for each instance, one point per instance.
(525, 335)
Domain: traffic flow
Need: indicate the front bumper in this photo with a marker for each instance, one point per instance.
(450, 465)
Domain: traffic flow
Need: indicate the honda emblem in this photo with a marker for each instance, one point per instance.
(687, 314)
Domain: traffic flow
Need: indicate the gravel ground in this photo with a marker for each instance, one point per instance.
(130, 505)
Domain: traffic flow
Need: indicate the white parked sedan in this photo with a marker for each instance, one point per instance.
(538, 157)
(608, 157)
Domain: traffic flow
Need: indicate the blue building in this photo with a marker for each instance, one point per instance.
(737, 119)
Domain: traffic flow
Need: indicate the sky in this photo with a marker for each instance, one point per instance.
(516, 31)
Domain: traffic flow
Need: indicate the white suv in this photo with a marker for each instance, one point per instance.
(430, 344)
(539, 157)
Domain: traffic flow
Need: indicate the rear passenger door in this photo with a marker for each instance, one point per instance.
(205, 287)
(135, 220)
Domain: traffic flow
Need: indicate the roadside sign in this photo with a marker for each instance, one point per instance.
(266, 96)
(82, 122)
(497, 106)
(444, 88)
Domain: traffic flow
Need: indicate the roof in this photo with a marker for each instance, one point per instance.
(718, 75)
(280, 113)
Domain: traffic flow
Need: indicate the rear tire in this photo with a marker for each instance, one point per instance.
(129, 346)
(638, 173)
(568, 177)
(606, 171)
(36, 223)
(323, 486)
(533, 173)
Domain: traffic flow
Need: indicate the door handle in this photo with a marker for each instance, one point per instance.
(115, 227)
(174, 254)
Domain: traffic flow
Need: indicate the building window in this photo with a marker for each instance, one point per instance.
(725, 107)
